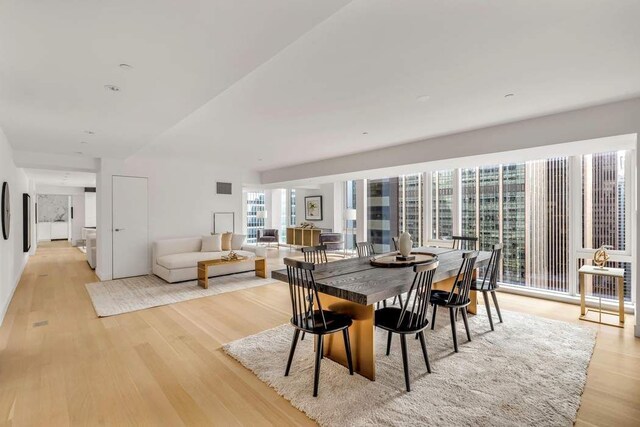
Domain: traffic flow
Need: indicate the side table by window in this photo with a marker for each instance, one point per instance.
(618, 275)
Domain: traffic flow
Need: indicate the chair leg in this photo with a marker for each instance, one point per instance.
(293, 350)
(466, 322)
(488, 307)
(394, 300)
(347, 347)
(384, 303)
(389, 342)
(302, 336)
(424, 350)
(433, 317)
(495, 302)
(405, 360)
(316, 376)
(453, 329)
(400, 299)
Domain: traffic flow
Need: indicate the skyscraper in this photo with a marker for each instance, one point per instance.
(382, 213)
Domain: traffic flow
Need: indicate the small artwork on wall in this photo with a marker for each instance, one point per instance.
(313, 208)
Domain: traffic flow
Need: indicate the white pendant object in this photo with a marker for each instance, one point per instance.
(405, 244)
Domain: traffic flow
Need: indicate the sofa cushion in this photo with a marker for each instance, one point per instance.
(237, 241)
(226, 241)
(211, 243)
(190, 259)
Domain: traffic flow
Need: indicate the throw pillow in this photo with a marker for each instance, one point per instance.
(211, 243)
(226, 241)
(237, 240)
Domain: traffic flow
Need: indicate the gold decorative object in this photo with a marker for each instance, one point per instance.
(601, 256)
(231, 257)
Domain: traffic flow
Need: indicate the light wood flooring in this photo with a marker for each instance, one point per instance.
(165, 366)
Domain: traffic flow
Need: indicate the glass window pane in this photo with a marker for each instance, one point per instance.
(382, 216)
(411, 218)
(255, 203)
(469, 215)
(603, 200)
(442, 191)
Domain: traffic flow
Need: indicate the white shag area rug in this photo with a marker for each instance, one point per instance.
(136, 293)
(529, 372)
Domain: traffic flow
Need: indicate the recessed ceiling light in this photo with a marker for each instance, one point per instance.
(509, 95)
(125, 66)
(112, 88)
(83, 142)
(423, 98)
(259, 160)
(89, 132)
(365, 133)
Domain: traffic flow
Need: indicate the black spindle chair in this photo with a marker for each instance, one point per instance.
(490, 282)
(465, 243)
(309, 317)
(411, 317)
(458, 298)
(365, 249)
(315, 254)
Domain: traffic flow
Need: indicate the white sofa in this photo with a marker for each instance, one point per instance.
(176, 260)
(90, 247)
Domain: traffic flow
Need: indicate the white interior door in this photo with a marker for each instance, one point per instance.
(130, 227)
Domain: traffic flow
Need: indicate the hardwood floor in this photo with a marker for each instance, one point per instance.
(164, 366)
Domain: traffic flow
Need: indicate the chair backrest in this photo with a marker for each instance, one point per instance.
(365, 249)
(304, 294)
(491, 274)
(465, 243)
(315, 254)
(415, 305)
(460, 291)
(268, 232)
(396, 243)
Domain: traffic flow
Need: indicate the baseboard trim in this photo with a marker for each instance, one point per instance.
(13, 291)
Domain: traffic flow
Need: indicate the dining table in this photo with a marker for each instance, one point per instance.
(354, 286)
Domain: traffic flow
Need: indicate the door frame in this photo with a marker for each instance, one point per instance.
(113, 227)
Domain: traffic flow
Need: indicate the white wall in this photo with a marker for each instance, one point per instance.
(332, 205)
(89, 209)
(182, 198)
(12, 258)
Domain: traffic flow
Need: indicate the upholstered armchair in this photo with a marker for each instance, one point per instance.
(333, 241)
(268, 236)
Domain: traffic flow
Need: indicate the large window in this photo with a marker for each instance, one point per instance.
(292, 207)
(442, 199)
(528, 207)
(350, 202)
(382, 213)
(255, 203)
(604, 216)
(410, 207)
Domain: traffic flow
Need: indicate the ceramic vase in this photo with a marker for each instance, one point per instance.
(405, 244)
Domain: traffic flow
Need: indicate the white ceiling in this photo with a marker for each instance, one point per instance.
(62, 178)
(270, 84)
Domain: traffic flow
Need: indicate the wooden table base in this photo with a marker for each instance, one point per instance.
(362, 332)
(203, 269)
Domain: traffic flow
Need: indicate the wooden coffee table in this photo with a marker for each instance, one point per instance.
(203, 267)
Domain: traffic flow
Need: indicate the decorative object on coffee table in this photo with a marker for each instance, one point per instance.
(313, 208)
(6, 210)
(203, 267)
